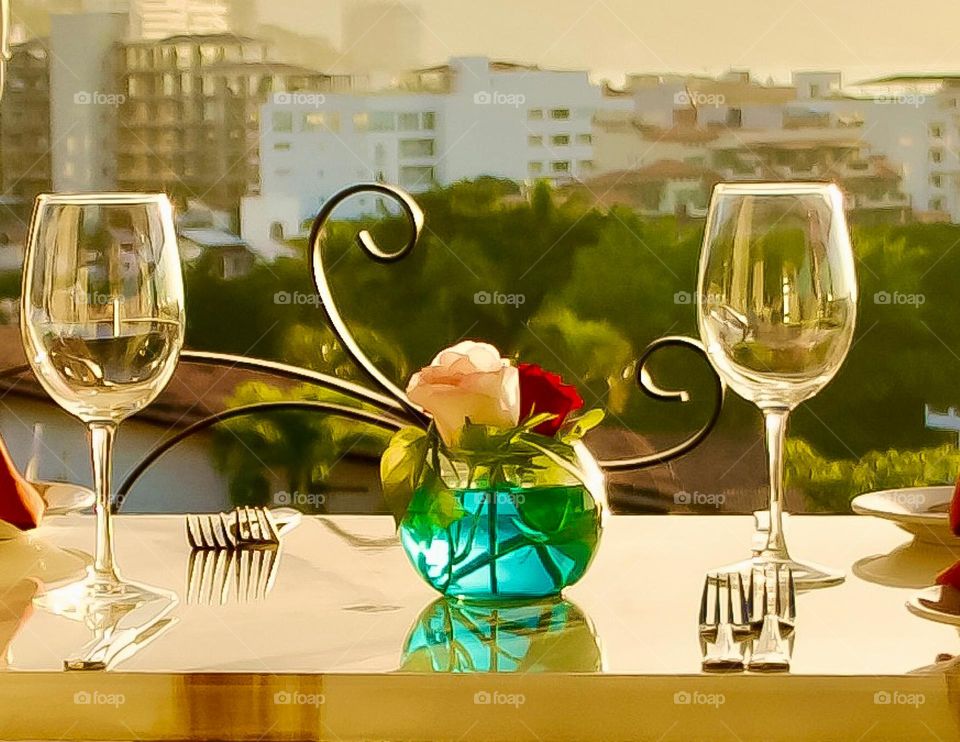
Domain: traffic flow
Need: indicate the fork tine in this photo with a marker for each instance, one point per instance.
(703, 601)
(272, 571)
(243, 527)
(744, 610)
(254, 525)
(267, 527)
(191, 539)
(792, 594)
(728, 579)
(716, 602)
(261, 532)
(230, 538)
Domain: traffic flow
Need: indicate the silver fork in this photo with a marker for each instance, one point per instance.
(771, 652)
(245, 526)
(211, 572)
(724, 653)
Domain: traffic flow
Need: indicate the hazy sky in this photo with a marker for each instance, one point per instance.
(863, 38)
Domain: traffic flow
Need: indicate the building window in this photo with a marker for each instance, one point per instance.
(936, 180)
(282, 146)
(936, 155)
(535, 141)
(428, 120)
(586, 165)
(382, 121)
(560, 114)
(416, 178)
(361, 121)
(535, 168)
(936, 131)
(937, 204)
(734, 118)
(416, 147)
(584, 138)
(535, 114)
(316, 121)
(561, 166)
(560, 140)
(282, 121)
(408, 121)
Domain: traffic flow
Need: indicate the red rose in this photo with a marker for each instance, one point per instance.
(542, 391)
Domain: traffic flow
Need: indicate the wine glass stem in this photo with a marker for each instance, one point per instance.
(775, 425)
(101, 449)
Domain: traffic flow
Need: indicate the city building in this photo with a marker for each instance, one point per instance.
(160, 19)
(25, 165)
(189, 121)
(465, 119)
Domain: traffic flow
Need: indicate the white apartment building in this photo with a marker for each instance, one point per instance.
(159, 19)
(469, 118)
(915, 122)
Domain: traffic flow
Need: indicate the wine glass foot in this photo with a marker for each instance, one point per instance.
(806, 575)
(96, 594)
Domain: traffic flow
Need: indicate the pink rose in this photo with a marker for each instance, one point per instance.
(467, 381)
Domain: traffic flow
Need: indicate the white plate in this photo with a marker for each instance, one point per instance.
(922, 511)
(927, 604)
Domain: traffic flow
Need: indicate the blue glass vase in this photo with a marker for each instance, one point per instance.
(495, 531)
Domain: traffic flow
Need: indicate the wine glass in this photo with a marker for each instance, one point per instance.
(102, 323)
(777, 304)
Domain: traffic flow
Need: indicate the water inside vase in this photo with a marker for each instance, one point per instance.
(507, 543)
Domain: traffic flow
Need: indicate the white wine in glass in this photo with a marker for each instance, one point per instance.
(102, 323)
(777, 305)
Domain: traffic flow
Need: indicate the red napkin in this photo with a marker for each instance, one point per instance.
(950, 577)
(20, 503)
(955, 509)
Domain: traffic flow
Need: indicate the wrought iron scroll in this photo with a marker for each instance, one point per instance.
(394, 409)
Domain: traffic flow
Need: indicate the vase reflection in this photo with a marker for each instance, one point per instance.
(553, 635)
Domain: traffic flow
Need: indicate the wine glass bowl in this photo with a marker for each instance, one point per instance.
(777, 301)
(102, 323)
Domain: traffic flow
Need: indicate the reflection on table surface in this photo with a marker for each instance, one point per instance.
(545, 636)
(343, 599)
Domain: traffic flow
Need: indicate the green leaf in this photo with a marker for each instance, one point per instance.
(574, 430)
(401, 468)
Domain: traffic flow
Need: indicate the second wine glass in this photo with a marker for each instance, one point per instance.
(777, 302)
(102, 323)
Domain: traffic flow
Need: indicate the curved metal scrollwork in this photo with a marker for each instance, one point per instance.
(366, 242)
(394, 408)
(651, 389)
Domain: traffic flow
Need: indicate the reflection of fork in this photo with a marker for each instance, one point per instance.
(210, 573)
